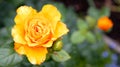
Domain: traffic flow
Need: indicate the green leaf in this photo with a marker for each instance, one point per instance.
(85, 53)
(93, 12)
(17, 2)
(90, 37)
(105, 11)
(81, 24)
(91, 21)
(4, 33)
(5, 38)
(8, 57)
(60, 56)
(77, 37)
(10, 20)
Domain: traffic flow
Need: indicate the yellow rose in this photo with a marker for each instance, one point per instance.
(34, 31)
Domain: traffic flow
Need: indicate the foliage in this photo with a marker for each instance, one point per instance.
(84, 42)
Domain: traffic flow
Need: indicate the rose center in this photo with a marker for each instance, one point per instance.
(38, 31)
(36, 28)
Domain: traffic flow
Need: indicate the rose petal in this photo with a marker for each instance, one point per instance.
(48, 44)
(24, 12)
(51, 13)
(61, 29)
(36, 55)
(18, 34)
(19, 48)
(19, 20)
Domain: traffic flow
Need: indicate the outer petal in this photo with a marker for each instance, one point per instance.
(36, 55)
(60, 30)
(18, 34)
(19, 48)
(49, 44)
(52, 14)
(24, 12)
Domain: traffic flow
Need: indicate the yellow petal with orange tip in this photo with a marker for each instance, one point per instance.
(60, 30)
(36, 55)
(52, 14)
(23, 13)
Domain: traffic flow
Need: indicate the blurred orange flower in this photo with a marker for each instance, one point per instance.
(104, 23)
(34, 31)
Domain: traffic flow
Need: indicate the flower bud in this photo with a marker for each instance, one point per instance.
(105, 24)
(57, 45)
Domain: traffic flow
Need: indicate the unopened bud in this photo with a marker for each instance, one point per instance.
(57, 45)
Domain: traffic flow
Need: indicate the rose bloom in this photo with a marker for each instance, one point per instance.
(34, 31)
(104, 23)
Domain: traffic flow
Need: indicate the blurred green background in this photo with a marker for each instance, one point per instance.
(84, 43)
